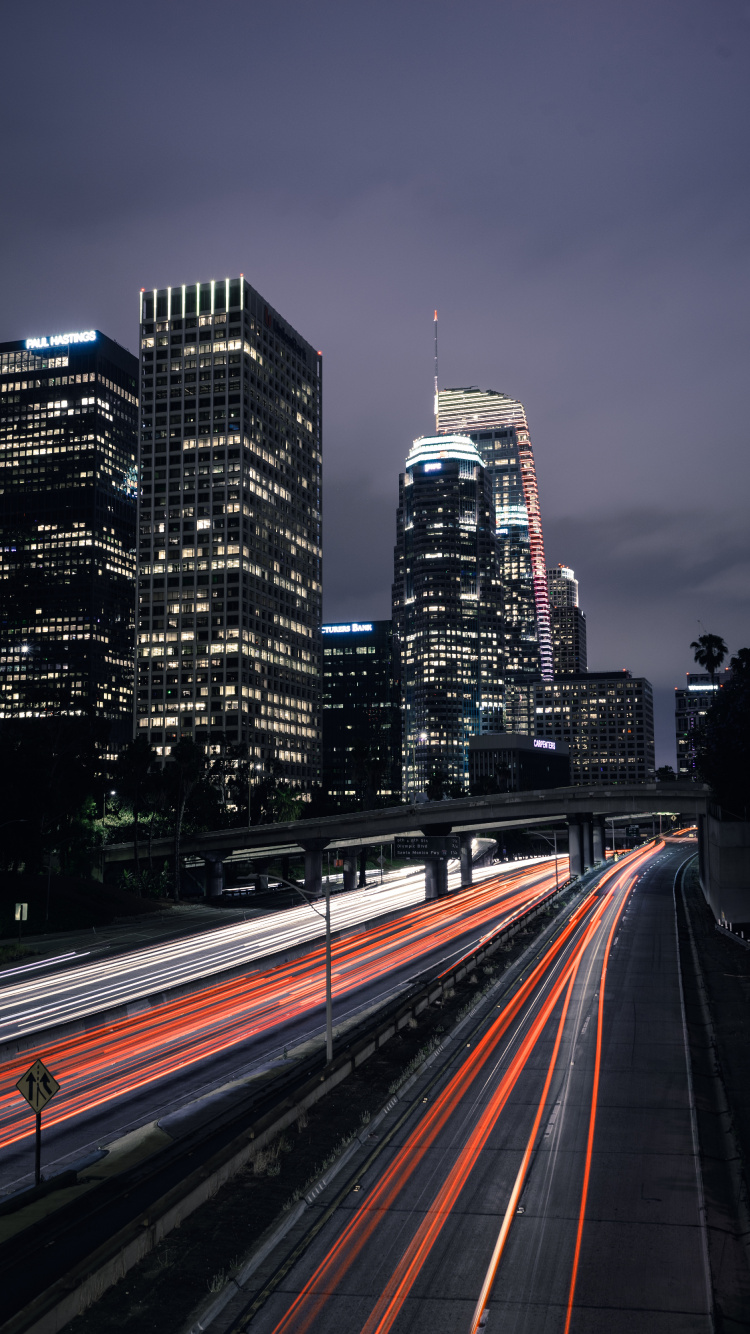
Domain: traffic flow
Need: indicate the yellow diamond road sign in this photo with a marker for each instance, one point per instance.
(38, 1086)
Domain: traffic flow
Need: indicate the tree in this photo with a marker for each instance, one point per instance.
(134, 776)
(182, 772)
(666, 774)
(723, 751)
(710, 652)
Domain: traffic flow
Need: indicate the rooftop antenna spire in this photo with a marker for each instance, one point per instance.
(436, 376)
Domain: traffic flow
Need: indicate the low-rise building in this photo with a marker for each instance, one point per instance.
(504, 762)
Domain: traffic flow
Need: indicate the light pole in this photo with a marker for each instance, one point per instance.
(329, 979)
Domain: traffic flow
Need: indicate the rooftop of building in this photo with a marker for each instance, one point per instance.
(431, 449)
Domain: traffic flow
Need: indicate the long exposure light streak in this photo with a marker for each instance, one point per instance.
(592, 1113)
(119, 1058)
(305, 1310)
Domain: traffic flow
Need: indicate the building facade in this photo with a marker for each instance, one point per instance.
(229, 561)
(503, 762)
(447, 609)
(498, 427)
(691, 704)
(361, 714)
(68, 483)
(607, 721)
(568, 623)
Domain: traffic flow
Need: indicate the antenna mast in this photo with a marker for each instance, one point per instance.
(436, 377)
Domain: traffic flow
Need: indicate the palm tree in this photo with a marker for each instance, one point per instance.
(710, 652)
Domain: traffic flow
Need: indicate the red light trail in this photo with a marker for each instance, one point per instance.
(548, 983)
(120, 1058)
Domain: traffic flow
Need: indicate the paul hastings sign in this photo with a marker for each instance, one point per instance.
(60, 340)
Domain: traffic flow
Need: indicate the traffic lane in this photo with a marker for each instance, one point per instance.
(641, 1264)
(643, 1227)
(452, 1255)
(36, 1002)
(76, 1137)
(454, 1270)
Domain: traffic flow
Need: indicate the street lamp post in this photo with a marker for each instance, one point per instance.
(329, 970)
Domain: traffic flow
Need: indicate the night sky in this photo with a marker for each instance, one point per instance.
(566, 182)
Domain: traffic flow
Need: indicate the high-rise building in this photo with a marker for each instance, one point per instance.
(607, 721)
(68, 444)
(361, 713)
(691, 704)
(447, 608)
(229, 564)
(568, 622)
(498, 427)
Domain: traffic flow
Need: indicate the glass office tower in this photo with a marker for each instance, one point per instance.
(361, 714)
(568, 622)
(447, 609)
(498, 428)
(229, 563)
(68, 440)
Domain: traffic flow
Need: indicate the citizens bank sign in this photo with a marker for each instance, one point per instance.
(60, 340)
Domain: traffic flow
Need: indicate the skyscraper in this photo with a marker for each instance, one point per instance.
(607, 720)
(361, 713)
(691, 704)
(68, 443)
(229, 564)
(447, 608)
(568, 622)
(497, 425)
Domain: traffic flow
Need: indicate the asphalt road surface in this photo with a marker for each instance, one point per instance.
(156, 1063)
(32, 999)
(546, 1180)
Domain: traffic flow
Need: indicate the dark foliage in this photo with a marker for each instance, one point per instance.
(723, 757)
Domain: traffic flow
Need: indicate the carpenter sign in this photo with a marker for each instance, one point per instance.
(440, 846)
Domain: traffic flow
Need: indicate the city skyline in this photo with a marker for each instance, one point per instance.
(519, 211)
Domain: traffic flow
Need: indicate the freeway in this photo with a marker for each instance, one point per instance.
(545, 1180)
(30, 1003)
(126, 1072)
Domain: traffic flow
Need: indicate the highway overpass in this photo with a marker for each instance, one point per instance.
(583, 809)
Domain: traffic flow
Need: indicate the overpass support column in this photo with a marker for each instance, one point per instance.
(214, 877)
(586, 851)
(261, 865)
(435, 878)
(362, 882)
(574, 847)
(598, 840)
(350, 869)
(466, 861)
(314, 866)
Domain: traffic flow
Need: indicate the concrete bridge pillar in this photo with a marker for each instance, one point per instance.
(466, 860)
(435, 878)
(574, 847)
(314, 849)
(260, 866)
(597, 834)
(586, 849)
(350, 868)
(214, 877)
(362, 882)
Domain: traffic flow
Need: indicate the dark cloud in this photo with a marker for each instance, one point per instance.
(567, 183)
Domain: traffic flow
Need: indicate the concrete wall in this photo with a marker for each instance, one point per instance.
(725, 867)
